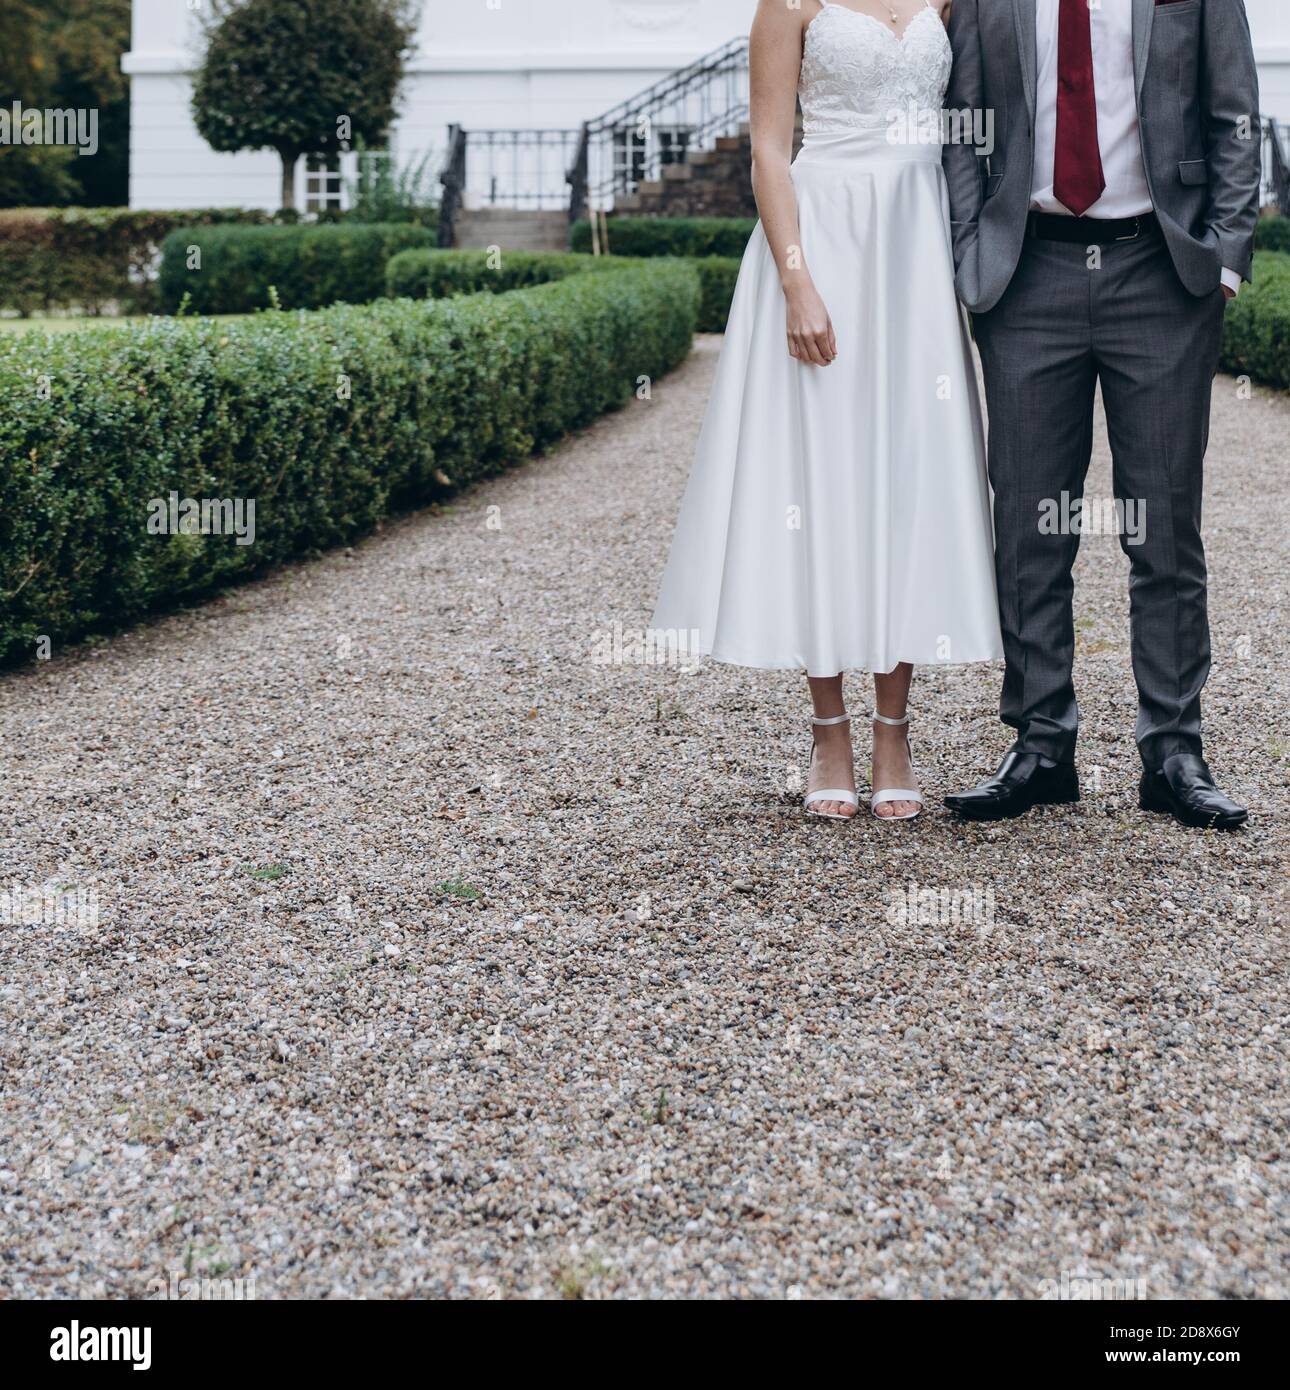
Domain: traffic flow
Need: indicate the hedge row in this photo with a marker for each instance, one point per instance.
(437, 274)
(1272, 233)
(717, 275)
(231, 270)
(326, 420)
(670, 236)
(727, 236)
(1256, 337)
(90, 258)
(424, 274)
(1256, 334)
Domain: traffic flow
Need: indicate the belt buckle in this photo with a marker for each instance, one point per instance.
(1137, 231)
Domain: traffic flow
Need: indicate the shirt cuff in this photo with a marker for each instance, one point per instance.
(1231, 280)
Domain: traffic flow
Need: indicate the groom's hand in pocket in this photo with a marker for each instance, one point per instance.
(810, 330)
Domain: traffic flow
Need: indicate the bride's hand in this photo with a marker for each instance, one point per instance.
(810, 330)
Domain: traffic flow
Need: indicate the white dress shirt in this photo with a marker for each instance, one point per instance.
(1127, 193)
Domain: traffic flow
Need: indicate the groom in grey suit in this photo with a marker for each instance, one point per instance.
(1098, 242)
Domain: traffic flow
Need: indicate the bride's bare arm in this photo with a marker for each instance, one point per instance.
(775, 61)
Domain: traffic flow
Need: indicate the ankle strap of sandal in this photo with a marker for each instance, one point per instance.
(882, 719)
(837, 719)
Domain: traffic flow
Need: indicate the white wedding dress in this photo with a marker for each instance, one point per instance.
(837, 518)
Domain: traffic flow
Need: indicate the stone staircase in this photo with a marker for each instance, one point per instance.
(704, 104)
(711, 183)
(514, 229)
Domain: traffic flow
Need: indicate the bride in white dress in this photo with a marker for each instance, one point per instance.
(837, 516)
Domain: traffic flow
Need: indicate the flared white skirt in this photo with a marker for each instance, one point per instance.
(838, 518)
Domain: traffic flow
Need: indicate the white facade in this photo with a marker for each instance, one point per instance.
(483, 64)
(1270, 25)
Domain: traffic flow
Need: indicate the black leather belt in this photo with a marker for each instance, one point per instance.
(1090, 231)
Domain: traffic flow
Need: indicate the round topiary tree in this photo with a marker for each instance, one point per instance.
(301, 76)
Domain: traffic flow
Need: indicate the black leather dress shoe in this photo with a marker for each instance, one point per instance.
(1022, 781)
(1184, 788)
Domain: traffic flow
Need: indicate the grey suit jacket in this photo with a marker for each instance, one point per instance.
(1198, 104)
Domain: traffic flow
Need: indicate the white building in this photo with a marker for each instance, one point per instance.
(483, 65)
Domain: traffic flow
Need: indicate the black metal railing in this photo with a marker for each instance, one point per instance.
(520, 168)
(1276, 164)
(505, 169)
(610, 155)
(684, 112)
(453, 179)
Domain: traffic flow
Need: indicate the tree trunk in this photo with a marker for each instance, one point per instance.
(289, 162)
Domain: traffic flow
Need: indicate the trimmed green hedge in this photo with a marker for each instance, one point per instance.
(438, 274)
(423, 274)
(717, 275)
(91, 258)
(670, 236)
(1272, 233)
(309, 267)
(1256, 334)
(326, 420)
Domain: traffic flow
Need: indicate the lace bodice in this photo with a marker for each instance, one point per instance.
(856, 70)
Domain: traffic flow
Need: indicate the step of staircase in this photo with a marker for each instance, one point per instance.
(513, 229)
(711, 179)
(715, 182)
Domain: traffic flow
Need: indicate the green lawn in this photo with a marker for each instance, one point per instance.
(58, 325)
(66, 324)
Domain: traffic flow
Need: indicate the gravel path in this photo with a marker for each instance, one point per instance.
(434, 957)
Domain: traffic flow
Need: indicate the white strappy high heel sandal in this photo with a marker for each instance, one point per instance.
(896, 793)
(829, 793)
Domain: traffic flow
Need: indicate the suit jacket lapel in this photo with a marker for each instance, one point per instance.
(1144, 12)
(1024, 14)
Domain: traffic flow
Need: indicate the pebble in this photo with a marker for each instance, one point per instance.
(622, 1022)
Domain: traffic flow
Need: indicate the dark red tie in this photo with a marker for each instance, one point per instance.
(1077, 170)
